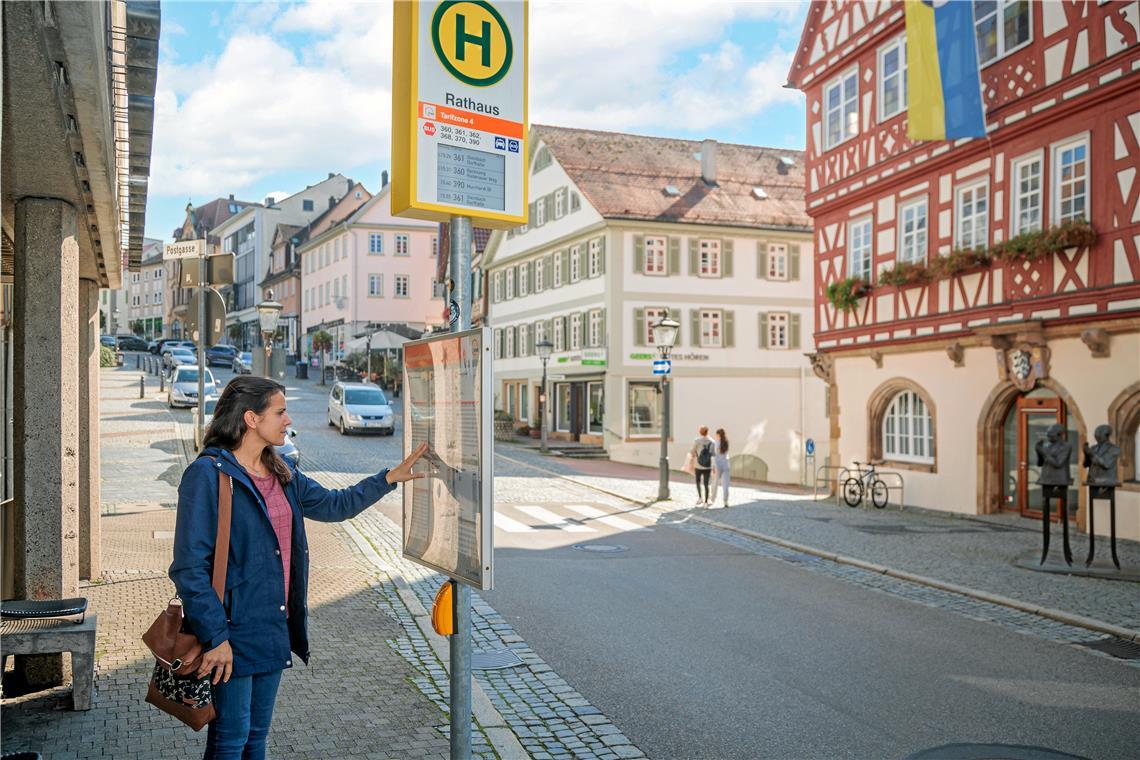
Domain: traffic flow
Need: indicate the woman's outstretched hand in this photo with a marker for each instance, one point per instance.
(403, 471)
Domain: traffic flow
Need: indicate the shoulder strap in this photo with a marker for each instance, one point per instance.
(222, 546)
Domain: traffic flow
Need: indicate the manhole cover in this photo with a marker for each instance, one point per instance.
(497, 660)
(601, 548)
(1119, 648)
(991, 752)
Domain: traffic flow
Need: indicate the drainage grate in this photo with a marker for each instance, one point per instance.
(162, 535)
(600, 548)
(1121, 649)
(497, 660)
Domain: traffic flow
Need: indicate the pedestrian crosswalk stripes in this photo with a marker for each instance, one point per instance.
(570, 518)
(550, 518)
(605, 518)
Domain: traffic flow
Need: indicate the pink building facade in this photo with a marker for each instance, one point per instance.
(371, 268)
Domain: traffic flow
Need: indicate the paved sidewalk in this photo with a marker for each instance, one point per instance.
(358, 696)
(977, 553)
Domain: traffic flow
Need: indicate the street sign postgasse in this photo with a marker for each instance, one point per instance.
(459, 111)
(186, 249)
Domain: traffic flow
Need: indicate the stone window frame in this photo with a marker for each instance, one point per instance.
(877, 405)
(1124, 417)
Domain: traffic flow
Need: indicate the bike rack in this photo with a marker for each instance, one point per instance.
(842, 473)
(884, 475)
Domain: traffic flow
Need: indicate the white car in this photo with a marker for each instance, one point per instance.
(184, 386)
(360, 407)
(180, 357)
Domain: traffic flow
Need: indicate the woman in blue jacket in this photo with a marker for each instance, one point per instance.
(251, 635)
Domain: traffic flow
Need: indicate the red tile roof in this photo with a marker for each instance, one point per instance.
(624, 176)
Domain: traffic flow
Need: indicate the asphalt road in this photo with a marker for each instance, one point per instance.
(698, 649)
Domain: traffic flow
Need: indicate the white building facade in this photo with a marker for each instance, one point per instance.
(607, 252)
(145, 293)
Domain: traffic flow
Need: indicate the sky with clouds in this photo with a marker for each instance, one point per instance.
(262, 98)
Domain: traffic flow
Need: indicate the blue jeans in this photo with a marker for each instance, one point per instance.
(245, 710)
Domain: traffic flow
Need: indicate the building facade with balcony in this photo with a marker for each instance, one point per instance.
(368, 268)
(980, 289)
(622, 228)
(248, 235)
(196, 226)
(146, 293)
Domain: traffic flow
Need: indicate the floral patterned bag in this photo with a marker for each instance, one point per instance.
(175, 687)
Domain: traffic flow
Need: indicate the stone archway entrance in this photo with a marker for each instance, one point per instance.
(1010, 424)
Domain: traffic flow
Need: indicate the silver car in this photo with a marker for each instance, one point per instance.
(180, 357)
(184, 386)
(242, 364)
(360, 407)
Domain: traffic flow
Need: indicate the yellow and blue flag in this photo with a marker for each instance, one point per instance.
(943, 78)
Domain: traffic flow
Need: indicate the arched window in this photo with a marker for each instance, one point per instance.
(908, 429)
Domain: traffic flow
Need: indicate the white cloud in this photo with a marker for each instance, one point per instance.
(307, 86)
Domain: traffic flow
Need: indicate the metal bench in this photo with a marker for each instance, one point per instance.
(40, 627)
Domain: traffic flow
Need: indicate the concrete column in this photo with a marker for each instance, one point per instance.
(46, 426)
(90, 565)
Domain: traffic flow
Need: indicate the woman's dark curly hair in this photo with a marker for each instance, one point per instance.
(245, 393)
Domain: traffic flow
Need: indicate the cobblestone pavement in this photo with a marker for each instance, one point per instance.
(359, 697)
(975, 553)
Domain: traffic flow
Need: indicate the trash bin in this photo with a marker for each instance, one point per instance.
(302, 371)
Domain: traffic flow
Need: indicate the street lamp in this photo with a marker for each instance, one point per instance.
(664, 336)
(543, 347)
(268, 311)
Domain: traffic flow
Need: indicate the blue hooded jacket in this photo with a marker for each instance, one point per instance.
(252, 616)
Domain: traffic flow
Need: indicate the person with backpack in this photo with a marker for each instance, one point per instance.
(702, 449)
(720, 460)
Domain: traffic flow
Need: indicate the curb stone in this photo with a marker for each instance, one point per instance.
(1080, 621)
(505, 743)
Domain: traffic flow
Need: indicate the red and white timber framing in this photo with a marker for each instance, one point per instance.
(1079, 75)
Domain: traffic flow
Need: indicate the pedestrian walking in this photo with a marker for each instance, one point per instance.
(720, 464)
(702, 451)
(248, 636)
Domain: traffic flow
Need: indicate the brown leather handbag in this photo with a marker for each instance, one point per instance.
(174, 686)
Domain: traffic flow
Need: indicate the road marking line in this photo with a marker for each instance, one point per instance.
(550, 518)
(502, 522)
(605, 517)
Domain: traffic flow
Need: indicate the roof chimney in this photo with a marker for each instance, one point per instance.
(708, 161)
(332, 201)
(348, 187)
(383, 179)
(269, 201)
(332, 174)
(231, 196)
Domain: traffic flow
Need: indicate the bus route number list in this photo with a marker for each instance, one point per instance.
(470, 178)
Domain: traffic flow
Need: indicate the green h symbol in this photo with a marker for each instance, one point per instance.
(462, 38)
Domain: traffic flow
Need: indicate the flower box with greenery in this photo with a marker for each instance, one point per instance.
(905, 273)
(845, 294)
(523, 429)
(957, 261)
(1030, 246)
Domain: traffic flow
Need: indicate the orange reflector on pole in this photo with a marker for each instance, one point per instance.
(443, 610)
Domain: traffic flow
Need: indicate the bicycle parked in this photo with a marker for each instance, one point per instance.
(855, 488)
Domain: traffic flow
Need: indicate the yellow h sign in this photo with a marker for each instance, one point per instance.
(472, 41)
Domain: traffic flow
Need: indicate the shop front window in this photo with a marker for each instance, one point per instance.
(643, 410)
(597, 409)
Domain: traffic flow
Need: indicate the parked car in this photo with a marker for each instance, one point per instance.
(131, 343)
(242, 364)
(107, 340)
(288, 450)
(360, 406)
(171, 345)
(179, 357)
(220, 355)
(156, 345)
(184, 386)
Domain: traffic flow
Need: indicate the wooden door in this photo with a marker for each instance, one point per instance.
(1035, 415)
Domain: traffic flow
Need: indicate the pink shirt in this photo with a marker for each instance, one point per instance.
(281, 515)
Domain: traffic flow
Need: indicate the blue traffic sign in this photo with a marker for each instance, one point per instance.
(810, 446)
(662, 366)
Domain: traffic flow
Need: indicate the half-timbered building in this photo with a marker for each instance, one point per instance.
(970, 293)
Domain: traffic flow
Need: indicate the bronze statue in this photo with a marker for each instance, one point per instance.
(1101, 459)
(1053, 458)
(1102, 480)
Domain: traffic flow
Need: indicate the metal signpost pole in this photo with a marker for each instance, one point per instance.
(542, 405)
(663, 484)
(202, 332)
(460, 641)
